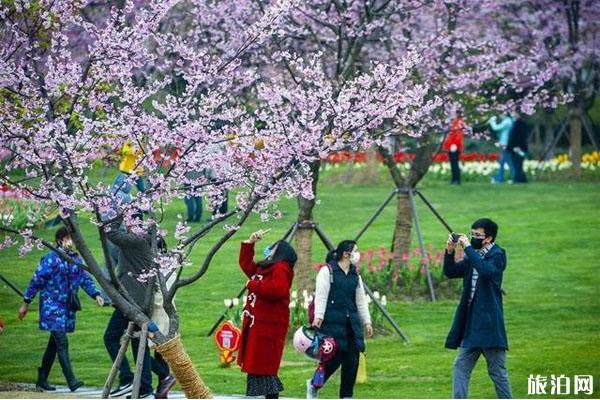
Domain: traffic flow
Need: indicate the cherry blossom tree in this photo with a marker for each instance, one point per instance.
(560, 41)
(81, 80)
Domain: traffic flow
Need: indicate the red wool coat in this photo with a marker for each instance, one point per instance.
(455, 135)
(266, 314)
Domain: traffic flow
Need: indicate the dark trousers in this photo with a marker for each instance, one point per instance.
(347, 357)
(112, 337)
(223, 206)
(160, 366)
(519, 173)
(194, 208)
(58, 344)
(455, 166)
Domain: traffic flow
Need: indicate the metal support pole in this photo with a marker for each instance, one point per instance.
(222, 317)
(10, 285)
(434, 211)
(553, 143)
(587, 124)
(292, 233)
(117, 364)
(376, 214)
(386, 314)
(139, 363)
(323, 237)
(420, 238)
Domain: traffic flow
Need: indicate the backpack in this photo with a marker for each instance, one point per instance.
(311, 306)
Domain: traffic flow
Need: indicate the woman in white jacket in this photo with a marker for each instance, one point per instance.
(341, 311)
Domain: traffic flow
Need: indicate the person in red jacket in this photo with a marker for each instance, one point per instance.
(266, 314)
(454, 145)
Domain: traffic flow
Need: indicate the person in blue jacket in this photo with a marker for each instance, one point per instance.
(503, 129)
(55, 279)
(478, 326)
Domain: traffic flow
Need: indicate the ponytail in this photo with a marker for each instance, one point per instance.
(345, 246)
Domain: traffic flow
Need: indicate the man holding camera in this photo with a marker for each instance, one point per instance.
(478, 326)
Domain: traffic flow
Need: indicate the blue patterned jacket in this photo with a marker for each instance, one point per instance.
(51, 278)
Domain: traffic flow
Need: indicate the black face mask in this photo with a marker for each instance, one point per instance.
(476, 243)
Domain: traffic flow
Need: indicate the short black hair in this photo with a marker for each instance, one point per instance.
(60, 234)
(489, 227)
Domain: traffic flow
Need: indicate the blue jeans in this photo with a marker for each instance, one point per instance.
(496, 364)
(194, 208)
(505, 158)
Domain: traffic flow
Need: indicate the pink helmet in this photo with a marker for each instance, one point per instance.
(303, 339)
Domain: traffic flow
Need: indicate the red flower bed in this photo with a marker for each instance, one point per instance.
(361, 157)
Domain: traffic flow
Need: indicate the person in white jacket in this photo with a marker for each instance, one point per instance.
(341, 312)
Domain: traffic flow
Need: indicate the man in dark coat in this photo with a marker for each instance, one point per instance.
(478, 326)
(517, 146)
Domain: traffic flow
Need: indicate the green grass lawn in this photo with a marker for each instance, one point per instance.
(551, 232)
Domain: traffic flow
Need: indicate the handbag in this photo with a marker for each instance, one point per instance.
(73, 302)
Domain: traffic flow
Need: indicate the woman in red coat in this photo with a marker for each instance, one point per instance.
(454, 145)
(266, 314)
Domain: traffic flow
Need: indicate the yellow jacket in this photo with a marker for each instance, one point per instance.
(130, 157)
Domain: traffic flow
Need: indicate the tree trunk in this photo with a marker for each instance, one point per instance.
(304, 233)
(402, 229)
(548, 133)
(370, 173)
(401, 242)
(576, 141)
(180, 363)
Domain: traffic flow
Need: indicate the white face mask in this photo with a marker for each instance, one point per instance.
(355, 257)
(67, 244)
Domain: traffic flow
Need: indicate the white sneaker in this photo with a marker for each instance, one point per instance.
(311, 391)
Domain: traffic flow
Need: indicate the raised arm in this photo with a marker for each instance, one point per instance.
(123, 239)
(505, 123)
(247, 259)
(453, 269)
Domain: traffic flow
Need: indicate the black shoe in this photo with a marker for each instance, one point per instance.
(42, 381)
(145, 395)
(123, 388)
(75, 385)
(162, 390)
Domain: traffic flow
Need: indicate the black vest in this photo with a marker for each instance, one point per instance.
(341, 319)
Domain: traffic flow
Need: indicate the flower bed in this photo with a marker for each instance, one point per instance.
(409, 280)
(18, 211)
(475, 166)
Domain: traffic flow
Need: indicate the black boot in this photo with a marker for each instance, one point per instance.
(42, 381)
(73, 386)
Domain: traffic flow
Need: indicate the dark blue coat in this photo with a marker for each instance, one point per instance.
(52, 278)
(480, 324)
